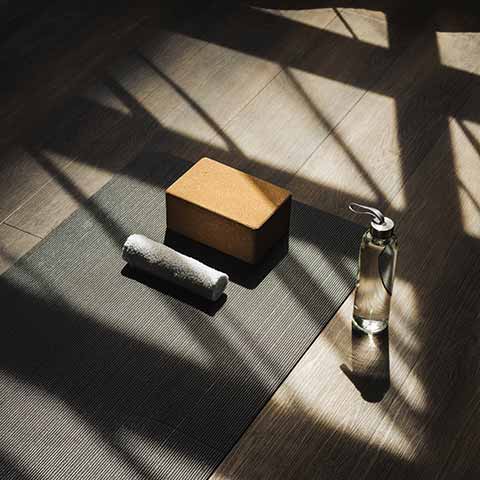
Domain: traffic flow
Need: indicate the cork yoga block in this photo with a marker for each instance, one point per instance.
(228, 210)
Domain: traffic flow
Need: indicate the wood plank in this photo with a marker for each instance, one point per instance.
(444, 328)
(219, 82)
(20, 177)
(173, 51)
(386, 10)
(280, 24)
(13, 245)
(318, 425)
(70, 130)
(90, 125)
(113, 124)
(42, 70)
(72, 186)
(290, 118)
(463, 460)
(99, 129)
(64, 146)
(372, 153)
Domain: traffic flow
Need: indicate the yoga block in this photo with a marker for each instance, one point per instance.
(228, 210)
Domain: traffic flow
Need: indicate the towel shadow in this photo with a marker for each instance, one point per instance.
(206, 306)
(242, 273)
(370, 373)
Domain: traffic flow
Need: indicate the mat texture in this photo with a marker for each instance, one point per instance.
(110, 374)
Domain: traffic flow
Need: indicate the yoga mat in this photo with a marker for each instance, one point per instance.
(107, 373)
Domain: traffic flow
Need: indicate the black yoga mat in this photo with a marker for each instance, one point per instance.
(106, 373)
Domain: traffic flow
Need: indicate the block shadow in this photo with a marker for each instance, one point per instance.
(242, 273)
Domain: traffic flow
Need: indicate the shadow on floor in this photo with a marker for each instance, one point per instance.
(96, 404)
(370, 371)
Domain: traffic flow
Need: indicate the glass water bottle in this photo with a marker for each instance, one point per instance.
(376, 272)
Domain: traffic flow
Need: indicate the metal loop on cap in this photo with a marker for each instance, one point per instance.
(377, 215)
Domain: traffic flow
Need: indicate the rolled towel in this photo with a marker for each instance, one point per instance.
(164, 262)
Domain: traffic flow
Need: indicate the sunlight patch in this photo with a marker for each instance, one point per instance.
(361, 28)
(459, 50)
(465, 138)
(315, 17)
(102, 96)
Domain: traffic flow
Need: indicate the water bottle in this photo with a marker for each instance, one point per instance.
(376, 272)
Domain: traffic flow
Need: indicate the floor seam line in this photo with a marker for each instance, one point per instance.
(22, 230)
(280, 70)
(365, 92)
(334, 127)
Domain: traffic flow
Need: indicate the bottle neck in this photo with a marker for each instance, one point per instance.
(378, 240)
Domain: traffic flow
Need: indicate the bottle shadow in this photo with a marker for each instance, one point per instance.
(370, 371)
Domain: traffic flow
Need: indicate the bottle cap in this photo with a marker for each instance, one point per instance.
(381, 226)
(382, 230)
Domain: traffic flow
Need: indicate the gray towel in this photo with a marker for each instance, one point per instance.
(164, 262)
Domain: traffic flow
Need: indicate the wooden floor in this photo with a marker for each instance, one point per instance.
(338, 104)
